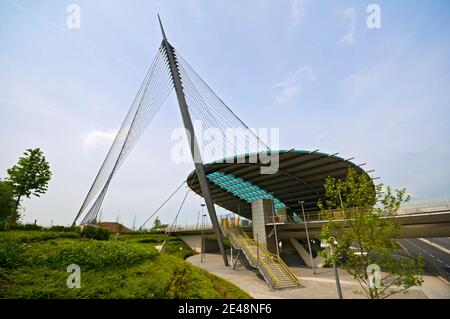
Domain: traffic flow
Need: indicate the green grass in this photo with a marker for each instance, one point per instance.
(33, 265)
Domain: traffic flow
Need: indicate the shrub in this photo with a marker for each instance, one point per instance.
(6, 226)
(98, 255)
(176, 247)
(36, 236)
(95, 233)
(10, 254)
(64, 229)
(149, 241)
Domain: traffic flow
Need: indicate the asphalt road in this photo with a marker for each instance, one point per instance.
(443, 241)
(437, 260)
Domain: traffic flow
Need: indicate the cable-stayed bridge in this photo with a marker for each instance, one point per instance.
(242, 173)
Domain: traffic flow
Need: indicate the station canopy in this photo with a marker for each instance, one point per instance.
(236, 182)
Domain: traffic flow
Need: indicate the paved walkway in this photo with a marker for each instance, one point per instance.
(319, 286)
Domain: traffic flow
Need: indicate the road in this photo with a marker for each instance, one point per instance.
(443, 241)
(437, 260)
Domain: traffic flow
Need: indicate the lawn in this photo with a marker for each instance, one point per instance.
(34, 265)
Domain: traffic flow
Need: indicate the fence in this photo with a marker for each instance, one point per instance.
(411, 208)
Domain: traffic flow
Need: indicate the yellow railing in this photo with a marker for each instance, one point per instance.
(243, 239)
(277, 258)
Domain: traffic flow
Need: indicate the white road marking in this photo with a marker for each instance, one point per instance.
(435, 245)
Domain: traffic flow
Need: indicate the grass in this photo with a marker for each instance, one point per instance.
(33, 265)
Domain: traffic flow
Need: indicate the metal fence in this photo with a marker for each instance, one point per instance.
(411, 208)
(195, 227)
(424, 206)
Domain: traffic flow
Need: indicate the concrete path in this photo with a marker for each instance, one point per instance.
(319, 286)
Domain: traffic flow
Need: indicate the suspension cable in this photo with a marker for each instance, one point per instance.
(171, 195)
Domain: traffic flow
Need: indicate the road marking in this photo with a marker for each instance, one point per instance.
(435, 245)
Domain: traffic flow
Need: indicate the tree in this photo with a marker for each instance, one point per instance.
(7, 202)
(157, 224)
(30, 176)
(361, 222)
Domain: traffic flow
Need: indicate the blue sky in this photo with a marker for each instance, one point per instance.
(311, 68)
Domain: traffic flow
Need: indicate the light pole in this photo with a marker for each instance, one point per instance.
(332, 240)
(203, 234)
(301, 202)
(275, 225)
(198, 220)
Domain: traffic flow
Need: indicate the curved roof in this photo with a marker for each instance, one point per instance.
(235, 182)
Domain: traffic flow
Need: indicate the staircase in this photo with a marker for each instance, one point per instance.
(276, 273)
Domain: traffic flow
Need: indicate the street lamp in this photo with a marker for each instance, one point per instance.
(274, 224)
(332, 240)
(301, 202)
(203, 234)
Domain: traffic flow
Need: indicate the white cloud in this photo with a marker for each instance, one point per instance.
(96, 139)
(350, 15)
(292, 85)
(298, 11)
(366, 79)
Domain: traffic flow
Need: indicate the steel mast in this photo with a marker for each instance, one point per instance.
(195, 151)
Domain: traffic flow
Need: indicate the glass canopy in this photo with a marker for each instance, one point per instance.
(243, 189)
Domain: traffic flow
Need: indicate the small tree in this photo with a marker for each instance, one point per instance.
(158, 225)
(361, 221)
(7, 202)
(30, 176)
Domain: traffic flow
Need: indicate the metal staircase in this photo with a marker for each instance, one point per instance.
(276, 273)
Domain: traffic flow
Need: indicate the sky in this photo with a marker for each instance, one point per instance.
(313, 69)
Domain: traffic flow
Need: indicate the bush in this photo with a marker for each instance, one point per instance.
(10, 254)
(149, 241)
(97, 255)
(95, 233)
(36, 236)
(64, 229)
(25, 227)
(176, 247)
(31, 266)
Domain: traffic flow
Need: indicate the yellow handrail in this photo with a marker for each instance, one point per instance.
(283, 264)
(269, 255)
(246, 240)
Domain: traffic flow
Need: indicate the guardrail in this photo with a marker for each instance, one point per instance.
(261, 258)
(194, 227)
(411, 208)
(240, 241)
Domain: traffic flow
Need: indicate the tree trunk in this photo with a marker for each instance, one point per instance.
(16, 214)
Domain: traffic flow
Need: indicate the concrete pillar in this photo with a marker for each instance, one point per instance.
(262, 211)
